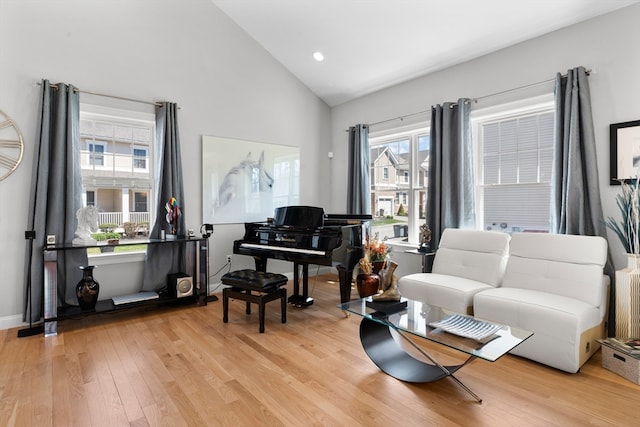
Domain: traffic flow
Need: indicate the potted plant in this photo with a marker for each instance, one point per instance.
(375, 252)
(108, 227)
(628, 228)
(113, 238)
(375, 255)
(627, 280)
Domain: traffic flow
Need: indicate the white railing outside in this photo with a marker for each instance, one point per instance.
(117, 218)
(110, 218)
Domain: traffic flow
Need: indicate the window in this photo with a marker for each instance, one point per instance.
(140, 158)
(96, 154)
(140, 202)
(514, 175)
(398, 167)
(115, 168)
(513, 155)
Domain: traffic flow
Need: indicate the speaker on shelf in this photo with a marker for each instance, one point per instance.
(180, 285)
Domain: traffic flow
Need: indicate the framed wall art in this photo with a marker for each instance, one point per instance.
(624, 151)
(244, 181)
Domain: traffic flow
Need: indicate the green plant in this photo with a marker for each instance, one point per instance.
(112, 235)
(628, 229)
(401, 211)
(108, 227)
(99, 236)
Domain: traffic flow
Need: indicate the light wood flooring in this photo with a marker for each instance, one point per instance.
(182, 366)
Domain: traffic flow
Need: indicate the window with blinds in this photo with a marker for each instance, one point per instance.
(515, 179)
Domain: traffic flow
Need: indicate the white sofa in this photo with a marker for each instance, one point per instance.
(466, 262)
(554, 285)
(551, 284)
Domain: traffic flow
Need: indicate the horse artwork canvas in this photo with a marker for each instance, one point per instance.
(245, 181)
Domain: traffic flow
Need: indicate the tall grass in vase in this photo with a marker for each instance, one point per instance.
(628, 228)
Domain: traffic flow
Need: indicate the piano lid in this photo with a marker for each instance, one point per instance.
(299, 217)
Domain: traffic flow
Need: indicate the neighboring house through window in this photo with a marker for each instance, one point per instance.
(116, 147)
(398, 185)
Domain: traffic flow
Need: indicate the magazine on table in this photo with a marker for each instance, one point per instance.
(626, 345)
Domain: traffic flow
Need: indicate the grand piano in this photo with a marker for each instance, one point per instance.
(306, 235)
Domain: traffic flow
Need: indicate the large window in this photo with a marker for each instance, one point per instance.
(398, 168)
(514, 155)
(116, 146)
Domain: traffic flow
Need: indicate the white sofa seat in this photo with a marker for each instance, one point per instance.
(442, 290)
(466, 262)
(554, 286)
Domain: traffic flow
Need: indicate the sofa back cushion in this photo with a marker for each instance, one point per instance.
(560, 264)
(473, 254)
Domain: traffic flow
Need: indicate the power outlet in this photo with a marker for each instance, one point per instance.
(228, 259)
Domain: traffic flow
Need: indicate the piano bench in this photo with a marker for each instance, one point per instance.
(268, 287)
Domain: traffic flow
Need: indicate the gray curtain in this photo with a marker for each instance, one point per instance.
(450, 195)
(358, 188)
(55, 196)
(575, 191)
(167, 258)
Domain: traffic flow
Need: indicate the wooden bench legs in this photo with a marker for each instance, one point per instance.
(260, 298)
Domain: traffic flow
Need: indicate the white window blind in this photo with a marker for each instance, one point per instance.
(516, 171)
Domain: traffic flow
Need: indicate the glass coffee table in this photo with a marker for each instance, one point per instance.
(478, 339)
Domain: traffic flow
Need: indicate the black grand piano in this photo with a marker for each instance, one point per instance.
(305, 235)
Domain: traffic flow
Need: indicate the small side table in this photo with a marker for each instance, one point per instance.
(427, 258)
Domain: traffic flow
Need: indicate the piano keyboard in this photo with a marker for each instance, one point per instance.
(283, 249)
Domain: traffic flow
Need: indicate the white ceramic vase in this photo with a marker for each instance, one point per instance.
(628, 298)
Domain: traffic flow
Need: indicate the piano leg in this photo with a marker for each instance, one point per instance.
(261, 263)
(344, 276)
(296, 299)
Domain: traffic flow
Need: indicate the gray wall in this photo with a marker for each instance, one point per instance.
(184, 51)
(608, 45)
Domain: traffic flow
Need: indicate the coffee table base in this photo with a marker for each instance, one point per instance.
(385, 352)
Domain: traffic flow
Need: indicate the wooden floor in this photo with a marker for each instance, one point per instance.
(183, 366)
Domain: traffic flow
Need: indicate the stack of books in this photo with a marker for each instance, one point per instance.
(630, 346)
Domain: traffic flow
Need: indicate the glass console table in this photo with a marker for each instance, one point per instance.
(196, 253)
(381, 347)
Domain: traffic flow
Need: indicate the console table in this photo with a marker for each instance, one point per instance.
(196, 266)
(383, 350)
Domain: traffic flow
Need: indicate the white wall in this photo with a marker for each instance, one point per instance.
(187, 51)
(184, 51)
(608, 45)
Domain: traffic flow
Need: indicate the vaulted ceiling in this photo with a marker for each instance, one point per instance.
(369, 45)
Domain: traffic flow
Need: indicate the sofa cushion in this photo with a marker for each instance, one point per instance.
(473, 254)
(559, 264)
(453, 293)
(558, 323)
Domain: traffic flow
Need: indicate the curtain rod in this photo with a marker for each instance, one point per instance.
(55, 85)
(475, 100)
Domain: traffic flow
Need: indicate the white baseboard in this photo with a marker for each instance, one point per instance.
(14, 321)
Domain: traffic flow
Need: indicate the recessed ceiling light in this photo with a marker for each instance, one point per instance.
(318, 56)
